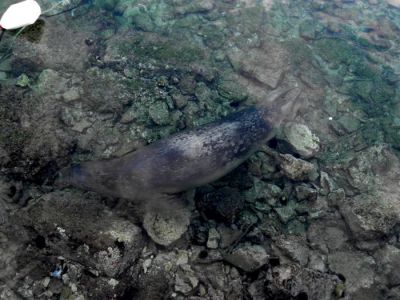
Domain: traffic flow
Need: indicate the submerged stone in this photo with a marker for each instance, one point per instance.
(85, 231)
(248, 257)
(159, 113)
(301, 139)
(286, 213)
(336, 51)
(349, 123)
(307, 29)
(230, 89)
(297, 169)
(164, 229)
(23, 81)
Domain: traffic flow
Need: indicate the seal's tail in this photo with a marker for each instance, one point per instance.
(281, 105)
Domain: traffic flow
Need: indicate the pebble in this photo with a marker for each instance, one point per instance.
(297, 169)
(164, 230)
(159, 113)
(213, 238)
(46, 282)
(301, 139)
(71, 95)
(248, 257)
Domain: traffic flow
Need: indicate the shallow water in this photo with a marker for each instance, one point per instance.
(317, 207)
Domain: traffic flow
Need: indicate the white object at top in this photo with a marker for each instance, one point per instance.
(20, 14)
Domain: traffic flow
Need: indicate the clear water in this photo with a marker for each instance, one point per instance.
(95, 79)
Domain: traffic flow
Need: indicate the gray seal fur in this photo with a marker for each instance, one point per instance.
(187, 159)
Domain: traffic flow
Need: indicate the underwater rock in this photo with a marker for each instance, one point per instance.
(228, 235)
(337, 51)
(370, 217)
(356, 267)
(159, 113)
(85, 231)
(139, 17)
(187, 85)
(231, 90)
(51, 82)
(196, 7)
(301, 139)
(165, 229)
(328, 235)
(185, 280)
(222, 205)
(349, 123)
(375, 212)
(304, 192)
(213, 238)
(51, 49)
(265, 192)
(248, 257)
(388, 260)
(220, 281)
(286, 213)
(128, 116)
(106, 91)
(266, 65)
(317, 262)
(76, 118)
(203, 93)
(180, 100)
(307, 30)
(23, 81)
(291, 248)
(290, 281)
(297, 169)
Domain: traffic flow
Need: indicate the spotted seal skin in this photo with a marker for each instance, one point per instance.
(185, 160)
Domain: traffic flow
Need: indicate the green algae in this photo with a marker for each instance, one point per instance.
(336, 51)
(162, 50)
(23, 81)
(159, 113)
(229, 89)
(34, 32)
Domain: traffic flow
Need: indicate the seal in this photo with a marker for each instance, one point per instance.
(187, 159)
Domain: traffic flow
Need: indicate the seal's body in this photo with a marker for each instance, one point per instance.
(180, 162)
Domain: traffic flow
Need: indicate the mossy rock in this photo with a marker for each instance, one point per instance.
(230, 89)
(361, 89)
(159, 113)
(372, 133)
(382, 92)
(361, 68)
(391, 128)
(299, 51)
(34, 32)
(213, 37)
(307, 29)
(337, 51)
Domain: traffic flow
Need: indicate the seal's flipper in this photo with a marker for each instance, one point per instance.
(281, 105)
